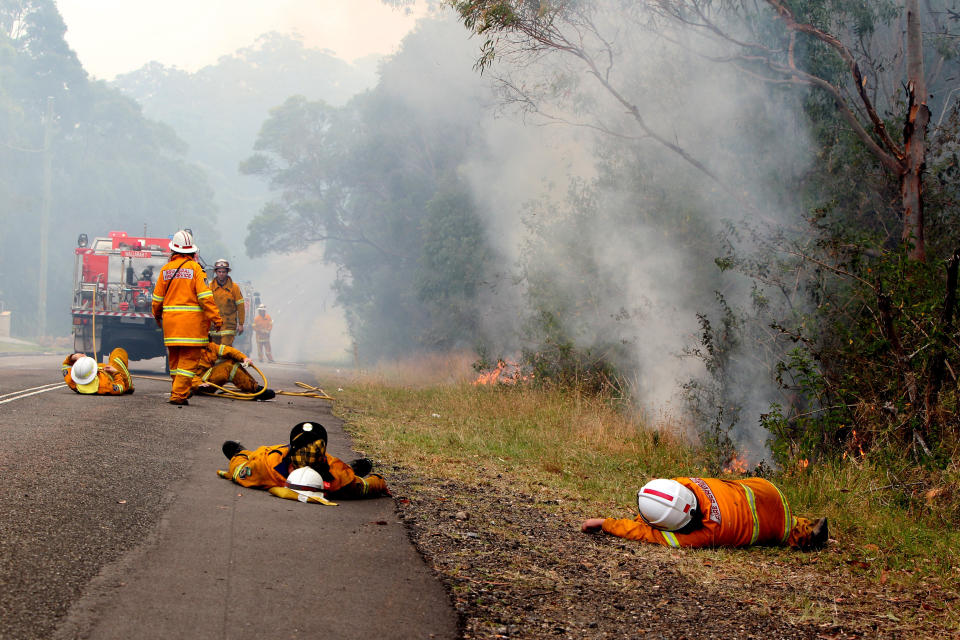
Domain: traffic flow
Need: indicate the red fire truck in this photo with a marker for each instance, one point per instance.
(112, 294)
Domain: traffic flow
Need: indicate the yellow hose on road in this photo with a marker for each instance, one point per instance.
(241, 395)
(313, 392)
(150, 378)
(230, 393)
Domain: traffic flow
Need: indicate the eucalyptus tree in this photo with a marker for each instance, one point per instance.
(837, 48)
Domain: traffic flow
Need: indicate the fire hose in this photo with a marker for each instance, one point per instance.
(313, 392)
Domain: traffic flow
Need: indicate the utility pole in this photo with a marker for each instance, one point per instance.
(45, 216)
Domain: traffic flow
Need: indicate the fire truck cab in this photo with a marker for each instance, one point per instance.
(112, 294)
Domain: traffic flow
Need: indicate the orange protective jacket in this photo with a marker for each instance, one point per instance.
(263, 325)
(229, 301)
(183, 304)
(267, 467)
(214, 354)
(115, 386)
(735, 513)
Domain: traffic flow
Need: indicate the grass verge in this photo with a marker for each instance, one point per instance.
(895, 536)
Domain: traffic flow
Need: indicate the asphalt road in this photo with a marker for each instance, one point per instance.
(114, 524)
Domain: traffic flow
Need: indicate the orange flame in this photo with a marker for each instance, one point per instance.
(504, 373)
(737, 464)
(803, 464)
(855, 440)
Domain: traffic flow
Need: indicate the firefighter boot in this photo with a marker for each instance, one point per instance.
(268, 394)
(231, 448)
(362, 466)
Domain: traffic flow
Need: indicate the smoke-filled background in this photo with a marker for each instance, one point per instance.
(578, 213)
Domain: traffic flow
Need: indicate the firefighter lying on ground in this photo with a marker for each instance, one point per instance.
(710, 512)
(84, 375)
(302, 470)
(220, 364)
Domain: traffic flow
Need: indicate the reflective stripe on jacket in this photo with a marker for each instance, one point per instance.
(183, 304)
(734, 513)
(229, 301)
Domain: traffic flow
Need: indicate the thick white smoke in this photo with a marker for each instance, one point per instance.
(721, 118)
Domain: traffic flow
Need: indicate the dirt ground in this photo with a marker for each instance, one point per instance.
(517, 566)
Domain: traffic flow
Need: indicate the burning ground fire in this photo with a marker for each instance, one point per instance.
(504, 373)
(737, 464)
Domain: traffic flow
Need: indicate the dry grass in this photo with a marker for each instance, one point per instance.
(540, 437)
(423, 370)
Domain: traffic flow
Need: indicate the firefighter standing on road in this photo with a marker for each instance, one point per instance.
(710, 512)
(229, 301)
(84, 375)
(262, 326)
(184, 308)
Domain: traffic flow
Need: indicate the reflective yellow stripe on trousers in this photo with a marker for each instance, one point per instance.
(752, 501)
(787, 516)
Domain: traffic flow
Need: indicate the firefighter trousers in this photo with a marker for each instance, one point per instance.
(119, 361)
(223, 339)
(225, 372)
(184, 362)
(263, 344)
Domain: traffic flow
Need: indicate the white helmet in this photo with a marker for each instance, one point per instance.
(666, 504)
(261, 308)
(183, 242)
(222, 263)
(306, 481)
(84, 374)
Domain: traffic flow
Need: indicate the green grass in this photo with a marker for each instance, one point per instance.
(888, 527)
(14, 347)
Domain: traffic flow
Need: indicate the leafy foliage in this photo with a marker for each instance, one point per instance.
(111, 168)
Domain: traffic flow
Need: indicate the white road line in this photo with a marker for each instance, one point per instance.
(52, 385)
(23, 394)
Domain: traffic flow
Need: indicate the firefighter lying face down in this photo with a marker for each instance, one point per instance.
(710, 512)
(84, 375)
(302, 469)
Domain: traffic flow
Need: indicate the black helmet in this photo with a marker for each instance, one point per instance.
(305, 433)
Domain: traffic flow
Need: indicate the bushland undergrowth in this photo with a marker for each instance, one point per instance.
(888, 526)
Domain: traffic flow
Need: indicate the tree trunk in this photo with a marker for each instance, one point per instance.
(914, 138)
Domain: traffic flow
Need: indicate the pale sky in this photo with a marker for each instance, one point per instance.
(118, 36)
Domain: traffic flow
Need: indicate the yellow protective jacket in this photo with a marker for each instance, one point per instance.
(213, 354)
(183, 304)
(115, 386)
(268, 467)
(229, 301)
(263, 325)
(734, 513)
